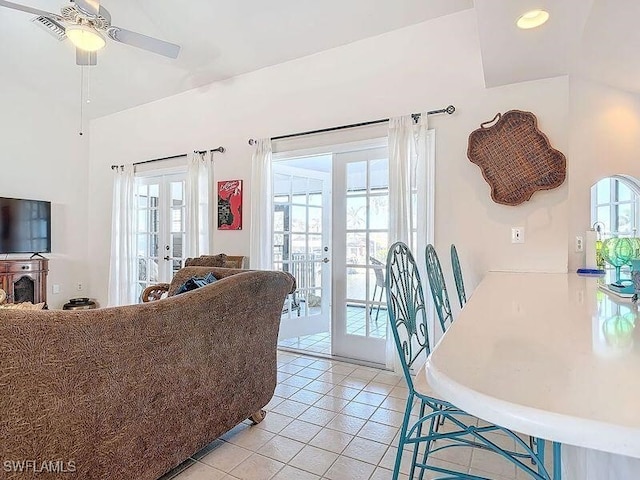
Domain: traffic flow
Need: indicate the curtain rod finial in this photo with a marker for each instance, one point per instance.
(252, 142)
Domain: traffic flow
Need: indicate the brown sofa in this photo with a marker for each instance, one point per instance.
(131, 392)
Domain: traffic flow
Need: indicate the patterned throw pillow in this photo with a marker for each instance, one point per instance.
(196, 282)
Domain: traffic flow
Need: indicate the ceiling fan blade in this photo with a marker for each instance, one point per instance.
(90, 7)
(24, 8)
(151, 44)
(86, 58)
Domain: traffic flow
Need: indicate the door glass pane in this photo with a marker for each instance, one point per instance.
(142, 269)
(357, 284)
(298, 219)
(356, 320)
(379, 175)
(177, 265)
(299, 199)
(315, 199)
(154, 194)
(356, 248)
(298, 244)
(143, 245)
(143, 220)
(379, 212)
(177, 220)
(356, 213)
(176, 245)
(152, 266)
(278, 221)
(299, 186)
(177, 190)
(315, 219)
(153, 247)
(281, 187)
(314, 243)
(379, 246)
(142, 196)
(356, 177)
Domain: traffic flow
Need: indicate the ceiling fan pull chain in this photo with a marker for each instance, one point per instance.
(88, 95)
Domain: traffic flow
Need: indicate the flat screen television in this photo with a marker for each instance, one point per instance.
(25, 226)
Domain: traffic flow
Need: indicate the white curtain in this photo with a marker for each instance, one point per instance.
(122, 271)
(197, 202)
(261, 206)
(411, 198)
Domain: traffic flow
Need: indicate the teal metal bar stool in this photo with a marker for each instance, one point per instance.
(438, 288)
(407, 314)
(457, 276)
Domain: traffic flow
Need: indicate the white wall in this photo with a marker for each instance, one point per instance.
(425, 66)
(604, 140)
(44, 158)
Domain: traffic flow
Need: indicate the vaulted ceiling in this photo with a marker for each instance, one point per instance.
(221, 39)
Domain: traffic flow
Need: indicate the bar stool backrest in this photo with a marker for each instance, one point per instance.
(457, 276)
(406, 307)
(438, 288)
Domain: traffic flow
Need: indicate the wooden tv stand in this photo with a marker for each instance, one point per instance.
(24, 280)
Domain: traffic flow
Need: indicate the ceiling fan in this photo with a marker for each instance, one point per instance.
(83, 21)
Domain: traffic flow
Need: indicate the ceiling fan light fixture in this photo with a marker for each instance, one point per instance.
(85, 38)
(532, 19)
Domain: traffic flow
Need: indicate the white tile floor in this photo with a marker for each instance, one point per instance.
(357, 318)
(328, 420)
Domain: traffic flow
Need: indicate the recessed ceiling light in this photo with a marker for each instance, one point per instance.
(532, 19)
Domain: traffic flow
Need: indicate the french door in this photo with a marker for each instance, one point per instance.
(330, 230)
(301, 246)
(361, 241)
(160, 227)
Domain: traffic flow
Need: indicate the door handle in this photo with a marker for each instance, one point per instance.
(167, 258)
(325, 260)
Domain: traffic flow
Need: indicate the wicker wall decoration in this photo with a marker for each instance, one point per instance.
(515, 157)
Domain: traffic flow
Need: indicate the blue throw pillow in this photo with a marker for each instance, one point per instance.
(196, 282)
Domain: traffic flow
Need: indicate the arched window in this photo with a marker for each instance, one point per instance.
(615, 202)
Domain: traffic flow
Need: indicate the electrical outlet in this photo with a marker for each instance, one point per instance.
(55, 289)
(517, 235)
(79, 286)
(579, 243)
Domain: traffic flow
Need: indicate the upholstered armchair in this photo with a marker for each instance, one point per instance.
(155, 292)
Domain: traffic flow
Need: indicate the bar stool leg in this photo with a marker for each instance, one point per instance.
(403, 434)
(557, 461)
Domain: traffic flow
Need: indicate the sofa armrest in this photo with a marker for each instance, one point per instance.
(154, 292)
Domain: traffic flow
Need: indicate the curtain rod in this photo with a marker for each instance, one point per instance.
(449, 109)
(201, 152)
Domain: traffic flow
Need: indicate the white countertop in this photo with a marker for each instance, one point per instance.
(550, 355)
